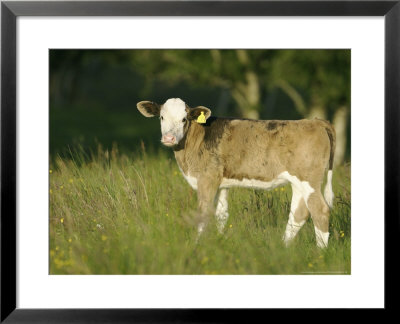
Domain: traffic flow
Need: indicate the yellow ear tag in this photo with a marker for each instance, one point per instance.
(201, 119)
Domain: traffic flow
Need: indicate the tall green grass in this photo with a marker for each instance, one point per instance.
(112, 213)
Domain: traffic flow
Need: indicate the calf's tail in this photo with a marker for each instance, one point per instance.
(328, 192)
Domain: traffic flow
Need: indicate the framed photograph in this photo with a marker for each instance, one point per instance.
(264, 181)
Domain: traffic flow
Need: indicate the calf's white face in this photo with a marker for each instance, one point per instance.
(175, 117)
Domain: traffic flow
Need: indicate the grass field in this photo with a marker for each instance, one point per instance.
(113, 213)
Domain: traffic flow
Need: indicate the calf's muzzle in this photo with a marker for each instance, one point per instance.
(168, 140)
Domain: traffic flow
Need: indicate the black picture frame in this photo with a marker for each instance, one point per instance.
(10, 10)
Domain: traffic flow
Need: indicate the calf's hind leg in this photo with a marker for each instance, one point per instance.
(320, 215)
(297, 216)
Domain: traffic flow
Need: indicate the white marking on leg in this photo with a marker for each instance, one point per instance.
(292, 227)
(328, 192)
(303, 187)
(191, 180)
(221, 213)
(321, 237)
(200, 227)
(252, 183)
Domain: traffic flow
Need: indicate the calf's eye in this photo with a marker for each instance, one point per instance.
(183, 120)
(161, 117)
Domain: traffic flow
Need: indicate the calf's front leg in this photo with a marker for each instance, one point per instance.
(221, 214)
(207, 188)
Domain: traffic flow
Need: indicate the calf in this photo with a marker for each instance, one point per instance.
(215, 154)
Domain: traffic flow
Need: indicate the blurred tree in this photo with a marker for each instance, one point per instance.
(238, 71)
(318, 82)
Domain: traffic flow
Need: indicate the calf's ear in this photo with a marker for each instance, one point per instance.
(148, 108)
(194, 113)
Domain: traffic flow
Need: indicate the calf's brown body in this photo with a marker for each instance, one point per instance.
(237, 149)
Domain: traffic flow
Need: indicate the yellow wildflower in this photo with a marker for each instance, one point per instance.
(103, 238)
(62, 220)
(50, 171)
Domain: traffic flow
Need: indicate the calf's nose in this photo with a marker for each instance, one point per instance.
(168, 138)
